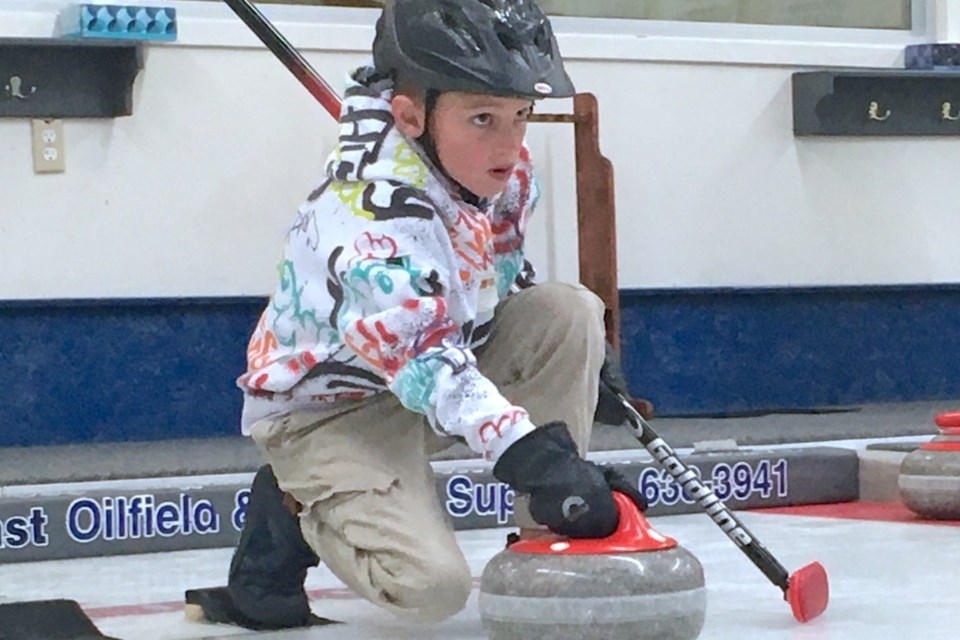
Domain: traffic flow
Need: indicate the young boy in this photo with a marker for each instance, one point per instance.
(404, 320)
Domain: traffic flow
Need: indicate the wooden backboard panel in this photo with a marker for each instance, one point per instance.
(596, 216)
(596, 213)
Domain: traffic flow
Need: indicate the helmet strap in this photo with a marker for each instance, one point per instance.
(430, 149)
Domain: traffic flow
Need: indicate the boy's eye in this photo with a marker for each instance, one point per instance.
(482, 120)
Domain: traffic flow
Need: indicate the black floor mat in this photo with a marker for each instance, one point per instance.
(47, 620)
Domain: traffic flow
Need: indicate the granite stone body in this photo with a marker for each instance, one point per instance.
(929, 477)
(637, 596)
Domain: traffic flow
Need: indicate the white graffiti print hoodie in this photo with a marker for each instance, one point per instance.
(387, 282)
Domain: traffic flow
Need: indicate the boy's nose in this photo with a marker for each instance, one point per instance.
(510, 140)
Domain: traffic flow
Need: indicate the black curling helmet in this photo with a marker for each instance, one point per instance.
(496, 47)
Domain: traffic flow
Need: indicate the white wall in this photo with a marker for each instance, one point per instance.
(714, 189)
(193, 193)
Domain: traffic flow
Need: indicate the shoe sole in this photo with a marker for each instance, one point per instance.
(215, 605)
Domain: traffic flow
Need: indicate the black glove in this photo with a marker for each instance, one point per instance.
(610, 409)
(571, 496)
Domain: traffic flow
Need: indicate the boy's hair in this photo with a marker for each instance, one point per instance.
(496, 47)
(409, 89)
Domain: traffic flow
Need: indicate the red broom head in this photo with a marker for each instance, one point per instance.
(809, 592)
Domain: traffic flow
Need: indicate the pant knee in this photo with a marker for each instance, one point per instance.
(440, 593)
(576, 312)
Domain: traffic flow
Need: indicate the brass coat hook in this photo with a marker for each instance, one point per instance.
(945, 112)
(873, 112)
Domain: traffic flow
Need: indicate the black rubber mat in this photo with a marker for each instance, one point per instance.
(46, 620)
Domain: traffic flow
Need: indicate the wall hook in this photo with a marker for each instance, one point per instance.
(945, 112)
(15, 88)
(873, 112)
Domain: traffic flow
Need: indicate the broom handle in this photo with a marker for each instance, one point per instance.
(704, 496)
(290, 57)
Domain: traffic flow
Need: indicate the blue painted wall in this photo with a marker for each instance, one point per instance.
(122, 370)
(727, 351)
(115, 370)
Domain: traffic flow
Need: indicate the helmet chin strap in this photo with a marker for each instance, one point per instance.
(426, 143)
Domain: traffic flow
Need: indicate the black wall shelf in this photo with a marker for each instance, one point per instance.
(879, 102)
(63, 78)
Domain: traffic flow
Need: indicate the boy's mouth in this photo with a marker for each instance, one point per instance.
(502, 172)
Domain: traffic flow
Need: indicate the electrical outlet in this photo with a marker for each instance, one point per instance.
(48, 146)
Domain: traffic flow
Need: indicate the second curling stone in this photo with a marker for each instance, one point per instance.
(930, 476)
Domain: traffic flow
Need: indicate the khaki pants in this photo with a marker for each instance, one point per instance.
(362, 473)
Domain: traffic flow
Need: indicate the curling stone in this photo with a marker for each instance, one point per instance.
(930, 476)
(636, 584)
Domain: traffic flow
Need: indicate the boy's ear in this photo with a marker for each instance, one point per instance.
(409, 114)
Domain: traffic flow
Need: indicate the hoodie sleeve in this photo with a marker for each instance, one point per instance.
(395, 316)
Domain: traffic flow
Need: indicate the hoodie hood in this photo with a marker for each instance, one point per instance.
(370, 147)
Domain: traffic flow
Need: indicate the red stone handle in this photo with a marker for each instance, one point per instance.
(950, 419)
(633, 535)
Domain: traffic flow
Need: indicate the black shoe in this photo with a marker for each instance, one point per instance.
(265, 585)
(216, 605)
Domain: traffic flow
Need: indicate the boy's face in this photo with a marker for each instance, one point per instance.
(478, 138)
